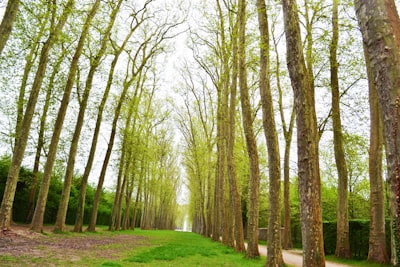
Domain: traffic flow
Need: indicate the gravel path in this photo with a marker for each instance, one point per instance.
(295, 258)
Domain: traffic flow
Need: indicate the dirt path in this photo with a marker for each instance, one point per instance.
(295, 258)
(28, 248)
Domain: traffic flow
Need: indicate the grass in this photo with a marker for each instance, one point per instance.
(146, 248)
(170, 248)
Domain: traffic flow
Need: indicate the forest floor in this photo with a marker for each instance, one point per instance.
(37, 249)
(22, 247)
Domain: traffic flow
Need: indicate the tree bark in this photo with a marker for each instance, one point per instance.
(37, 220)
(84, 182)
(380, 28)
(63, 206)
(254, 183)
(99, 189)
(288, 135)
(41, 141)
(307, 140)
(235, 202)
(342, 233)
(274, 254)
(377, 251)
(7, 23)
(30, 60)
(19, 150)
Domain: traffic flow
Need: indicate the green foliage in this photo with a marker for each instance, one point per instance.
(20, 207)
(22, 192)
(359, 238)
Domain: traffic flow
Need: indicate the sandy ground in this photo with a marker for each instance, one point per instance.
(295, 258)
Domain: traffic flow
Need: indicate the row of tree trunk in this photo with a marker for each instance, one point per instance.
(138, 171)
(231, 55)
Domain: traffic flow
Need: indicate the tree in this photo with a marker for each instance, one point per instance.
(37, 220)
(95, 62)
(150, 46)
(30, 60)
(118, 50)
(342, 238)
(7, 23)
(20, 146)
(232, 172)
(380, 27)
(274, 257)
(287, 129)
(41, 136)
(307, 141)
(254, 183)
(377, 251)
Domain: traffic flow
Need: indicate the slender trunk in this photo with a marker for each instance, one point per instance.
(37, 220)
(138, 194)
(232, 174)
(117, 206)
(219, 175)
(254, 183)
(40, 144)
(342, 233)
(19, 150)
(63, 206)
(7, 23)
(93, 147)
(96, 201)
(209, 210)
(274, 257)
(307, 140)
(30, 60)
(288, 135)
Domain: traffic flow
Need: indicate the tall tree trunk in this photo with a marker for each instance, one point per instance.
(377, 251)
(209, 211)
(232, 174)
(138, 193)
(41, 141)
(288, 135)
(99, 189)
(19, 149)
(218, 212)
(307, 140)
(380, 28)
(117, 206)
(38, 215)
(84, 182)
(287, 231)
(274, 256)
(254, 183)
(63, 206)
(7, 23)
(342, 233)
(146, 52)
(30, 60)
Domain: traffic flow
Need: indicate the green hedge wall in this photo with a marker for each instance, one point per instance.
(20, 207)
(359, 237)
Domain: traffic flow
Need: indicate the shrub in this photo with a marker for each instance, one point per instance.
(359, 237)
